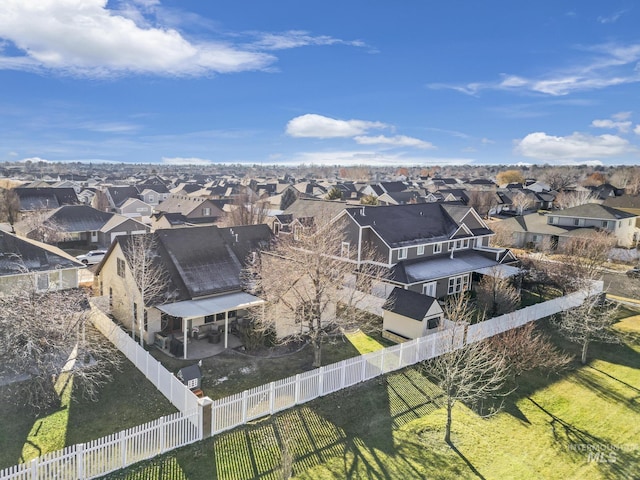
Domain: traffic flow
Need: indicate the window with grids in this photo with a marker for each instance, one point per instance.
(402, 253)
(458, 284)
(420, 250)
(120, 268)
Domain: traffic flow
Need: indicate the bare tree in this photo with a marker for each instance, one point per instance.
(521, 201)
(559, 178)
(482, 202)
(46, 335)
(590, 322)
(147, 277)
(496, 294)
(100, 201)
(471, 373)
(527, 348)
(247, 210)
(573, 199)
(39, 225)
(311, 285)
(9, 207)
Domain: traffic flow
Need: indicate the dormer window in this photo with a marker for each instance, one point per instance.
(420, 250)
(437, 248)
(402, 253)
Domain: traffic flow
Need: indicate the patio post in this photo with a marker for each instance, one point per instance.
(226, 328)
(184, 339)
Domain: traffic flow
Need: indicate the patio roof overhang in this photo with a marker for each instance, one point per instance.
(211, 305)
(499, 271)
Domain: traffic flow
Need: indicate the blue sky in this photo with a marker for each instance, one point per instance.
(331, 82)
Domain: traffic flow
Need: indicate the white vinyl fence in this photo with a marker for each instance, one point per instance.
(167, 383)
(97, 458)
(111, 453)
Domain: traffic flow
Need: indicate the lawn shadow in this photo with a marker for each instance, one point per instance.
(466, 461)
(588, 378)
(616, 461)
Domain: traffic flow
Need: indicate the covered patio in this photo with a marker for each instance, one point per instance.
(198, 324)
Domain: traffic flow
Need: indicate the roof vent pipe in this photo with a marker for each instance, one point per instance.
(362, 211)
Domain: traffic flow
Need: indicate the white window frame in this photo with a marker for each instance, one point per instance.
(427, 287)
(344, 249)
(437, 248)
(478, 242)
(402, 253)
(457, 284)
(420, 250)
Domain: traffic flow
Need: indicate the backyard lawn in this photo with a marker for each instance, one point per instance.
(583, 425)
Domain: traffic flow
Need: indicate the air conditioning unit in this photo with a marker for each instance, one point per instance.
(162, 340)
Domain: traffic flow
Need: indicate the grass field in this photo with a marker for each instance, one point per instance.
(583, 425)
(128, 401)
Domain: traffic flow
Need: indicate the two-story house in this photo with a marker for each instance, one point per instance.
(202, 282)
(430, 248)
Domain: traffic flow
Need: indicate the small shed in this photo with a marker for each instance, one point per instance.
(191, 376)
(407, 315)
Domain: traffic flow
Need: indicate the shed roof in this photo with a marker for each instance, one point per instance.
(409, 304)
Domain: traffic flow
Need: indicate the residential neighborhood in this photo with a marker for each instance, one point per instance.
(198, 276)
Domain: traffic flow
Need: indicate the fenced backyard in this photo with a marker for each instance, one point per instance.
(209, 417)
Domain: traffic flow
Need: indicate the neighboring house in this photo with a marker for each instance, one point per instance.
(117, 196)
(168, 220)
(134, 207)
(619, 223)
(47, 198)
(204, 287)
(626, 203)
(407, 315)
(44, 266)
(84, 226)
(431, 248)
(552, 230)
(197, 210)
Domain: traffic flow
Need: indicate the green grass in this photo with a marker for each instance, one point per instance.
(363, 342)
(129, 400)
(393, 427)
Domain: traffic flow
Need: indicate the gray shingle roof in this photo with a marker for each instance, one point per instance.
(402, 225)
(18, 254)
(409, 304)
(594, 210)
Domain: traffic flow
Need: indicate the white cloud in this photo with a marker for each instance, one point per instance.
(319, 126)
(621, 116)
(110, 127)
(86, 38)
(609, 65)
(541, 146)
(299, 38)
(636, 130)
(622, 127)
(185, 161)
(373, 158)
(396, 141)
(613, 18)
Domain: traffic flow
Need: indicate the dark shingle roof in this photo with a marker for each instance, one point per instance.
(402, 225)
(204, 262)
(46, 198)
(119, 195)
(409, 304)
(18, 254)
(78, 218)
